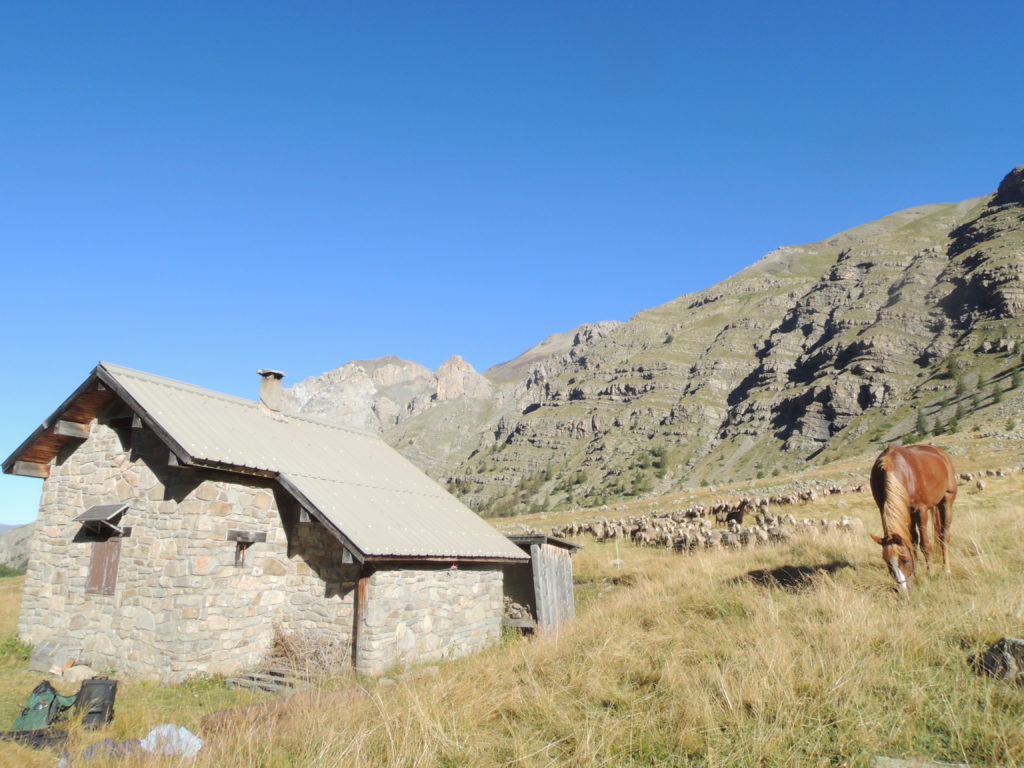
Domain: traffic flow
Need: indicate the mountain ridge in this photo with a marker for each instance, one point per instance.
(811, 351)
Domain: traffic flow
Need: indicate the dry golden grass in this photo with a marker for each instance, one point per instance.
(10, 604)
(706, 661)
(801, 655)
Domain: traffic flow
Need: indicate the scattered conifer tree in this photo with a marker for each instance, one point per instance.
(951, 367)
(922, 423)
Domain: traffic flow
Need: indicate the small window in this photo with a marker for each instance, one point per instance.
(242, 549)
(243, 545)
(106, 556)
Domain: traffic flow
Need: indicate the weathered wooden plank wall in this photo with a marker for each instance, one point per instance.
(552, 584)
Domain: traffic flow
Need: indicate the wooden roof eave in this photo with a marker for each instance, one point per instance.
(98, 375)
(48, 422)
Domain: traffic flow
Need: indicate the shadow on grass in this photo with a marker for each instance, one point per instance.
(792, 577)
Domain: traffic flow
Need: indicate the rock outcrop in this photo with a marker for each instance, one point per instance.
(375, 395)
(14, 547)
(1004, 660)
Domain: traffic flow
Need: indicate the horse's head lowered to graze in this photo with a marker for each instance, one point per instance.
(899, 556)
(909, 484)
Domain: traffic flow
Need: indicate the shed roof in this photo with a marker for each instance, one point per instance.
(372, 498)
(526, 539)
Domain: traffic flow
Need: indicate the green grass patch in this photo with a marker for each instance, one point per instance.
(13, 649)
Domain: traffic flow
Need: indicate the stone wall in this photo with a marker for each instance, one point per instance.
(428, 614)
(181, 606)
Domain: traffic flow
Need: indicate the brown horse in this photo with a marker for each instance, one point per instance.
(909, 482)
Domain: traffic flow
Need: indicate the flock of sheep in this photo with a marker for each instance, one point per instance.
(719, 525)
(694, 528)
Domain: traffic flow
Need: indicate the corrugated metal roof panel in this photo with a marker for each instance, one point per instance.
(379, 500)
(396, 523)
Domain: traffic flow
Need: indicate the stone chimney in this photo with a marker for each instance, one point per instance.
(271, 393)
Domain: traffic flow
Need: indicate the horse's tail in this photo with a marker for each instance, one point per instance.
(896, 507)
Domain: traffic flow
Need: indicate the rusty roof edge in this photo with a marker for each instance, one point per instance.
(49, 421)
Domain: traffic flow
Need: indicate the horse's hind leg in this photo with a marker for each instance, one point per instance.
(919, 533)
(943, 520)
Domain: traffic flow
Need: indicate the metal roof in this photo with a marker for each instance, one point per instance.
(373, 497)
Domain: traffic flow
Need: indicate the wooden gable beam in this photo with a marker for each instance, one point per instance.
(31, 469)
(42, 437)
(246, 537)
(71, 429)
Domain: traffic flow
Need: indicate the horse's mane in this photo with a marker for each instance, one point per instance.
(896, 509)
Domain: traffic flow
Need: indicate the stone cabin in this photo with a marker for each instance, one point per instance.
(179, 529)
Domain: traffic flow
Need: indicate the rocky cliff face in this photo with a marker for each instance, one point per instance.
(812, 352)
(375, 395)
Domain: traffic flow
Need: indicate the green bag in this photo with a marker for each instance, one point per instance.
(45, 706)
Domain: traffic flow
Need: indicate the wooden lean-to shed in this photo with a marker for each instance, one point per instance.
(544, 584)
(181, 529)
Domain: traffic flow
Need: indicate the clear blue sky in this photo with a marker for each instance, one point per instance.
(202, 189)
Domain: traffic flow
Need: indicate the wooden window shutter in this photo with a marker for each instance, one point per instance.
(106, 555)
